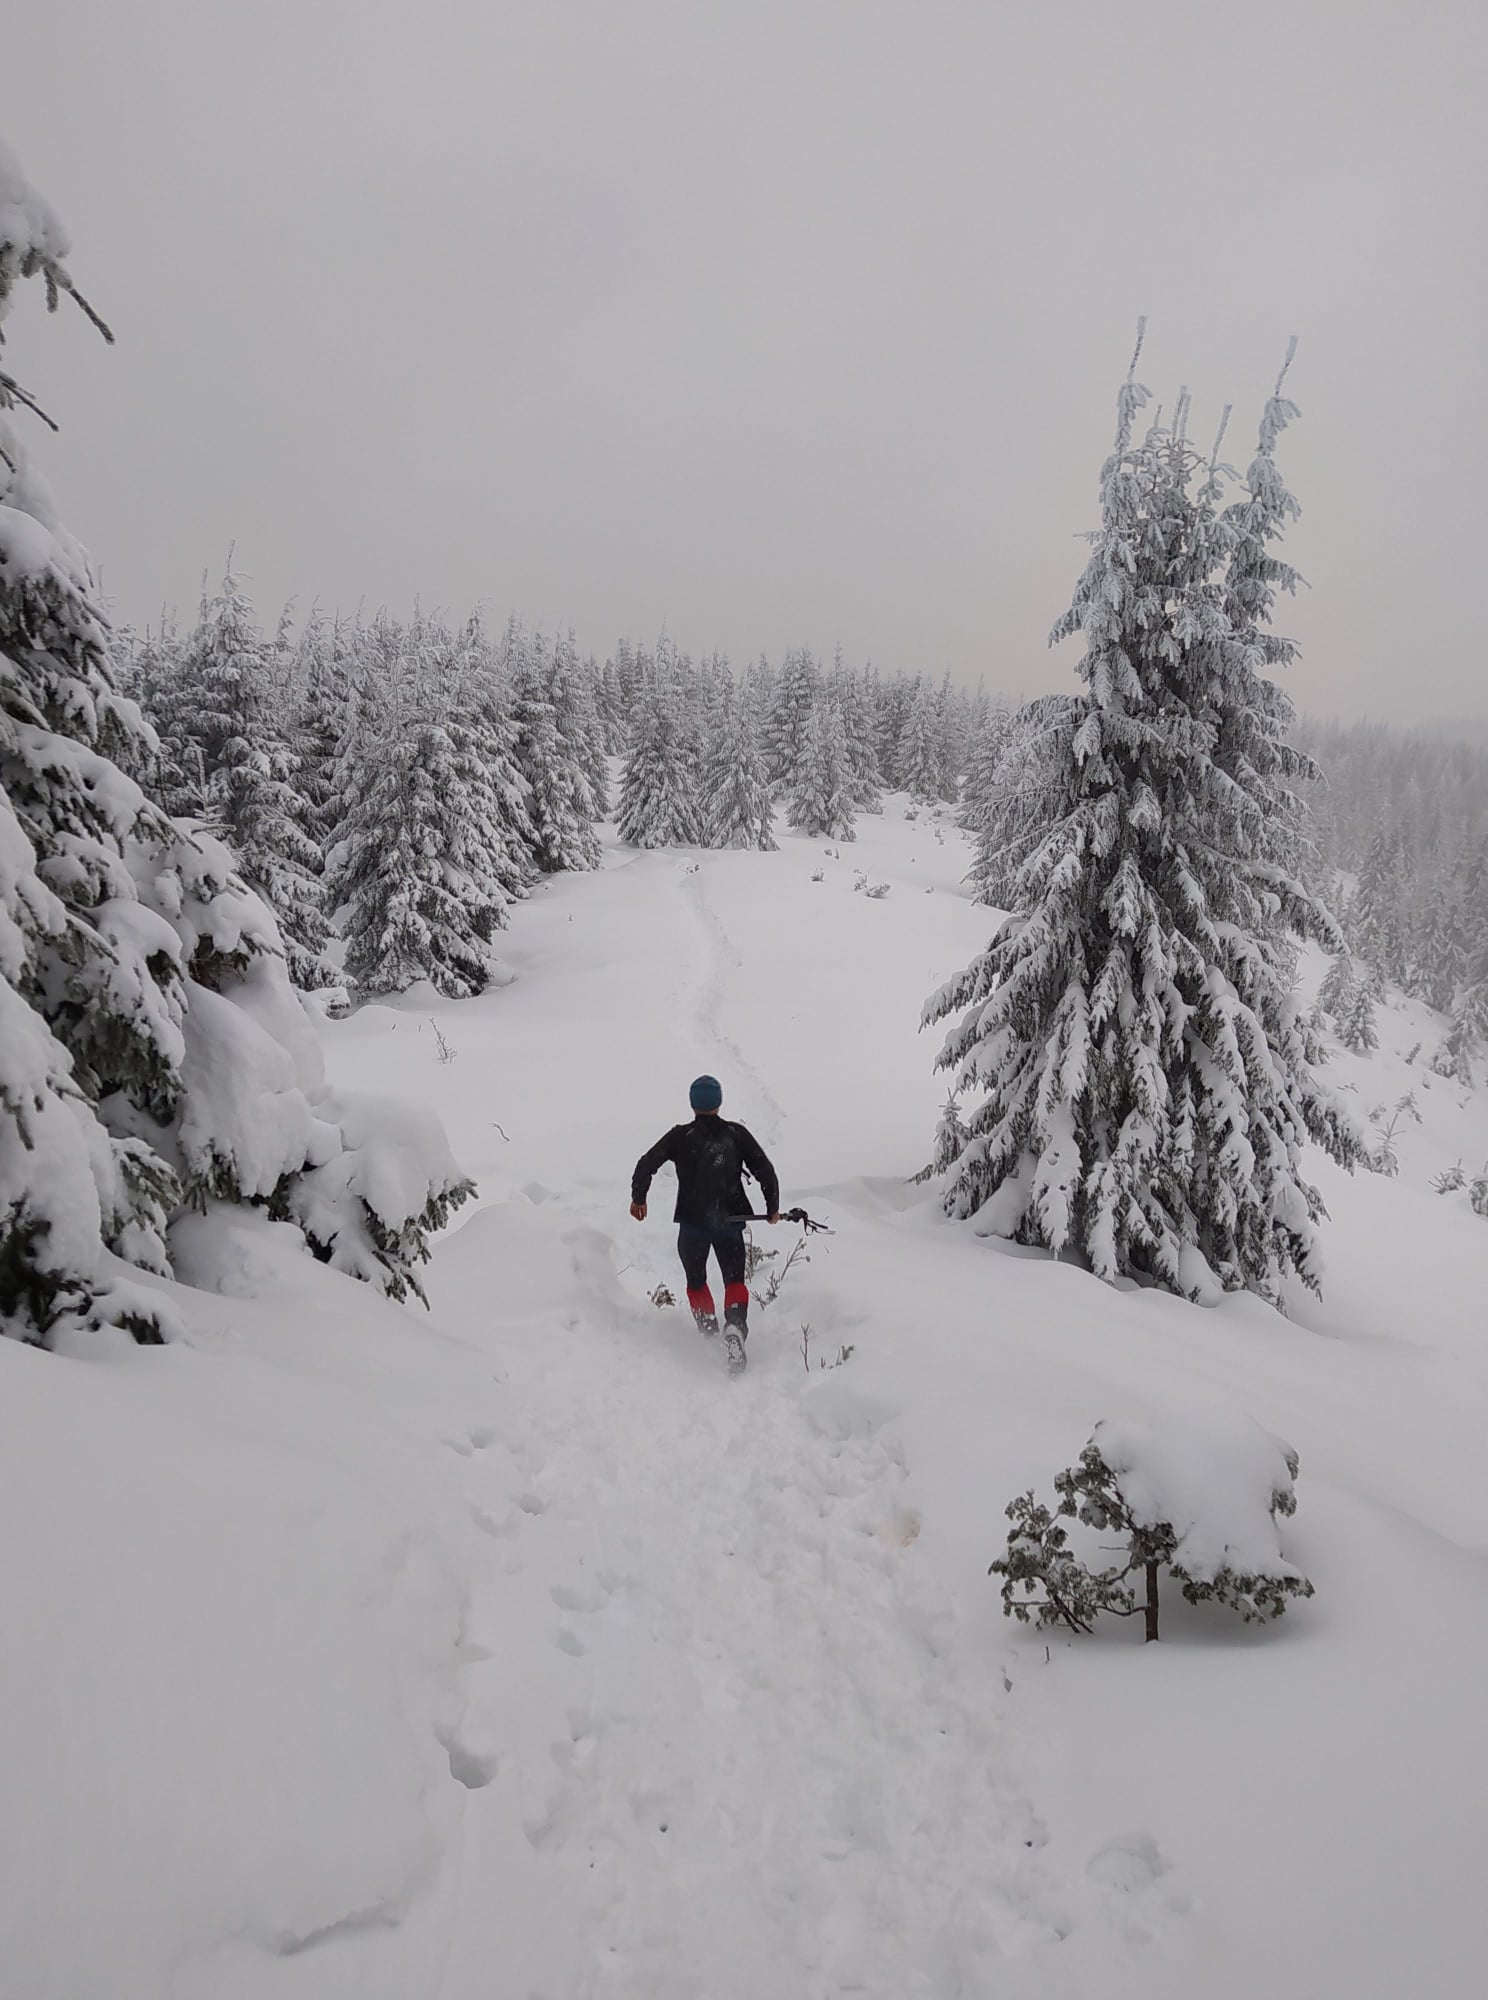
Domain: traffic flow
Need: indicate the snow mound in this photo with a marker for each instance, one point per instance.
(1216, 1477)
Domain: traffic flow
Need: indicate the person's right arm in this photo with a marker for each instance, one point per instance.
(645, 1170)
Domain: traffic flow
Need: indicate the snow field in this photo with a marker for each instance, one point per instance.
(515, 1650)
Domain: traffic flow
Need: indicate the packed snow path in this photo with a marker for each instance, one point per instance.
(754, 1771)
(760, 1774)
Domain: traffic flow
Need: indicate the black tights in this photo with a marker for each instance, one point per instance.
(727, 1243)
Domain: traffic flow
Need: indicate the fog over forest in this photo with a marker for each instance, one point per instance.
(780, 325)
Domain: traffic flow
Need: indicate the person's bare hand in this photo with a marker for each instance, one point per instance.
(638, 1210)
(773, 1218)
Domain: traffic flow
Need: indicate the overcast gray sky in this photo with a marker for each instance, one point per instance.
(782, 321)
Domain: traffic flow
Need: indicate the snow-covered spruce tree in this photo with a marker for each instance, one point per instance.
(235, 722)
(89, 1006)
(1438, 956)
(658, 803)
(736, 806)
(1472, 1009)
(482, 702)
(1375, 924)
(796, 693)
(567, 808)
(613, 708)
(988, 746)
(152, 679)
(920, 754)
(819, 799)
(594, 736)
(1200, 1499)
(152, 1052)
(849, 694)
(413, 867)
(324, 666)
(951, 1136)
(1356, 1029)
(1146, 1073)
(891, 699)
(952, 711)
(1337, 989)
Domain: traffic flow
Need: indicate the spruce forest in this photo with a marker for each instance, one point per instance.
(768, 1307)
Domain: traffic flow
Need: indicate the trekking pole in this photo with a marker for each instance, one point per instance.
(786, 1215)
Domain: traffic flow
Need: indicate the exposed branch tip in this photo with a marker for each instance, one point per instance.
(1291, 351)
(1137, 350)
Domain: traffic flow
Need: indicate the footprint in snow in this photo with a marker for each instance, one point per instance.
(1130, 1862)
(501, 1528)
(472, 1768)
(481, 1438)
(579, 1597)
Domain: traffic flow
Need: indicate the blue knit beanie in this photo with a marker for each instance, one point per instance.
(706, 1094)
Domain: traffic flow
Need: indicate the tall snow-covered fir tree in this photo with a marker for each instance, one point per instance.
(324, 669)
(416, 864)
(1145, 1074)
(921, 751)
(563, 802)
(152, 1052)
(819, 798)
(227, 729)
(483, 700)
(795, 695)
(1356, 1029)
(849, 694)
(736, 805)
(989, 744)
(658, 796)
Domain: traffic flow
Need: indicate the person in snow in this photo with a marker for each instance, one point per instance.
(711, 1156)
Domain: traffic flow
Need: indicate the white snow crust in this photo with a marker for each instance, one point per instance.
(356, 1653)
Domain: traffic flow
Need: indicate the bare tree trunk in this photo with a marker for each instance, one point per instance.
(1151, 1601)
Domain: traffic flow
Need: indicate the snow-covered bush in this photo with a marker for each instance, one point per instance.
(1385, 1158)
(153, 1055)
(1453, 1056)
(1200, 1498)
(950, 1140)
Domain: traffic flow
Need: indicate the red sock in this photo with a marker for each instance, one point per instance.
(702, 1302)
(736, 1295)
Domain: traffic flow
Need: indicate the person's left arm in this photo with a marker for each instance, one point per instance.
(757, 1161)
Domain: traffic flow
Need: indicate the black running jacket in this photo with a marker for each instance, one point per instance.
(711, 1156)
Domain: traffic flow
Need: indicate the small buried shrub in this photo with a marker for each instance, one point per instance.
(1199, 1499)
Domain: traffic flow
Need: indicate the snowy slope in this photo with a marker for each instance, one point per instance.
(512, 1650)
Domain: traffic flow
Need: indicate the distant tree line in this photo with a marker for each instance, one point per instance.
(399, 785)
(1400, 839)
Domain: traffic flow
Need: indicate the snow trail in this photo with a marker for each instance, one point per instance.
(723, 958)
(761, 1773)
